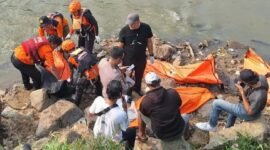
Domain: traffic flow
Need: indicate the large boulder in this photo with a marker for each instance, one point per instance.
(205, 109)
(59, 115)
(8, 112)
(256, 129)
(164, 52)
(156, 144)
(40, 100)
(2, 93)
(199, 138)
(17, 97)
(78, 131)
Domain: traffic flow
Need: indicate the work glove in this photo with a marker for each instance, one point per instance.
(98, 39)
(151, 59)
(68, 36)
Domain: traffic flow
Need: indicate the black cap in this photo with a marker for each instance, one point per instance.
(43, 20)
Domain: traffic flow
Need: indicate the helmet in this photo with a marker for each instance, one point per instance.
(43, 20)
(74, 6)
(68, 45)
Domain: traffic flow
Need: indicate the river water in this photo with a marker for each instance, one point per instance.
(173, 20)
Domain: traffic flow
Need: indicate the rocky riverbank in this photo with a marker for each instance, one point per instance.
(33, 117)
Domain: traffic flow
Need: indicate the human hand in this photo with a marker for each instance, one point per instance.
(68, 36)
(123, 68)
(239, 87)
(267, 75)
(98, 39)
(151, 59)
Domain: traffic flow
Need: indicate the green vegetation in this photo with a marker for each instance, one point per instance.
(82, 144)
(245, 142)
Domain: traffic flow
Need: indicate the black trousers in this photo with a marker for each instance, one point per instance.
(140, 65)
(27, 72)
(129, 136)
(82, 83)
(87, 42)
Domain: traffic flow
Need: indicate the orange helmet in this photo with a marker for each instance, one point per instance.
(68, 45)
(74, 6)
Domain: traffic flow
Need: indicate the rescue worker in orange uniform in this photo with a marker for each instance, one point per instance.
(36, 50)
(53, 24)
(84, 25)
(86, 67)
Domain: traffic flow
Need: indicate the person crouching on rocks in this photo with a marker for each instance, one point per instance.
(86, 67)
(253, 97)
(160, 107)
(36, 50)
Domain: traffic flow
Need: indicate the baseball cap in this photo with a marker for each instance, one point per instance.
(43, 20)
(132, 17)
(151, 77)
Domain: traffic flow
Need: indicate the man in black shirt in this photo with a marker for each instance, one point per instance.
(161, 106)
(135, 37)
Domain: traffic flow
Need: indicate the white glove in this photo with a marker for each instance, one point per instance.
(151, 59)
(68, 36)
(98, 39)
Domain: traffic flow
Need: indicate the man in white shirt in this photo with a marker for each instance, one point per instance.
(112, 120)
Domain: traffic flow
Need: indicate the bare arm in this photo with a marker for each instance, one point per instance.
(142, 127)
(245, 101)
(150, 46)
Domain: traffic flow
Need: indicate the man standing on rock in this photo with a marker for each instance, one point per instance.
(253, 97)
(161, 107)
(135, 37)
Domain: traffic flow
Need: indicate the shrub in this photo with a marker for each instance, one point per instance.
(245, 142)
(83, 144)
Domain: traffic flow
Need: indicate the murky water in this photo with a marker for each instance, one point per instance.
(241, 20)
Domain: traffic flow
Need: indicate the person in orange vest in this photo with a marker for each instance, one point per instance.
(84, 25)
(86, 67)
(53, 24)
(36, 50)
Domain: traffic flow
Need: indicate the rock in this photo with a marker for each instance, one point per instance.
(2, 93)
(8, 112)
(77, 131)
(164, 52)
(204, 111)
(236, 45)
(59, 115)
(40, 100)
(155, 144)
(203, 45)
(40, 143)
(178, 61)
(218, 139)
(17, 97)
(233, 62)
(199, 138)
(168, 83)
